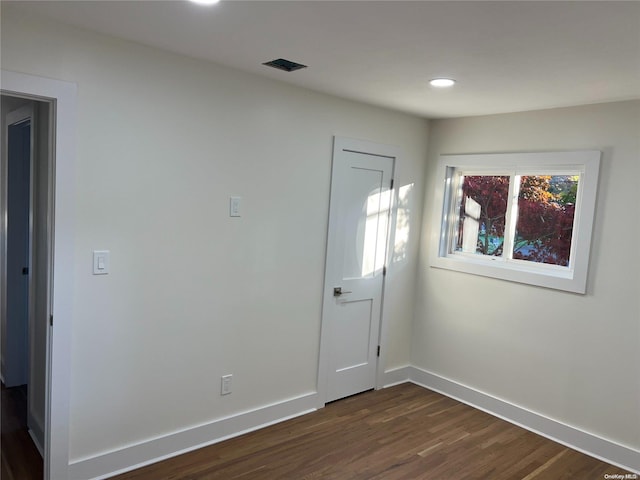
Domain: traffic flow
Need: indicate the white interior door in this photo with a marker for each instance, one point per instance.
(359, 218)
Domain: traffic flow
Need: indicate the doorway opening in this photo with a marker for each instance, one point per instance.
(62, 98)
(26, 205)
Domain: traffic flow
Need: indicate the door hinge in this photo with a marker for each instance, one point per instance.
(384, 270)
(378, 354)
(391, 186)
(51, 320)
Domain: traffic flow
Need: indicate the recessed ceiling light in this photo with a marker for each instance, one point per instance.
(205, 2)
(442, 82)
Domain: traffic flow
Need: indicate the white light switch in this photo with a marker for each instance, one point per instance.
(234, 206)
(100, 262)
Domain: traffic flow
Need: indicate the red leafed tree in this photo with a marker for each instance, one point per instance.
(545, 215)
(491, 192)
(545, 220)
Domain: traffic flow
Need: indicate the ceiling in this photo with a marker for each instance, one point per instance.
(506, 56)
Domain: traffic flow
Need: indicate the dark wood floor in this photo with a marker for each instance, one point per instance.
(20, 459)
(399, 433)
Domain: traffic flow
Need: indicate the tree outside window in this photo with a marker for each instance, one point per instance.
(544, 213)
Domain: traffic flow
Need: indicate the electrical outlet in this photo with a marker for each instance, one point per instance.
(225, 385)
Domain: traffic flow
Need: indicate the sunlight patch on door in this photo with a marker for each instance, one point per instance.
(366, 228)
(375, 233)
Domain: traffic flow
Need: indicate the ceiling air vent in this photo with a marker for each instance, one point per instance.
(286, 65)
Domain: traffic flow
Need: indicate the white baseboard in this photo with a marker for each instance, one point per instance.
(36, 431)
(572, 437)
(396, 376)
(160, 448)
(36, 442)
(156, 449)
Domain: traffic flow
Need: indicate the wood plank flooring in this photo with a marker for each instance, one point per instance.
(399, 433)
(19, 459)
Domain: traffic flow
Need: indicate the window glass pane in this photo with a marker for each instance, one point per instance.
(546, 208)
(482, 207)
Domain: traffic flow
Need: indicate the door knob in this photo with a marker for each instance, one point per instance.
(337, 291)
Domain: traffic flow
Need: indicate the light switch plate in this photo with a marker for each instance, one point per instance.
(225, 386)
(234, 206)
(100, 262)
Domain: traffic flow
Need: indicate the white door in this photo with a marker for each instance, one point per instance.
(359, 218)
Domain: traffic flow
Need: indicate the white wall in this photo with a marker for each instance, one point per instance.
(164, 141)
(569, 357)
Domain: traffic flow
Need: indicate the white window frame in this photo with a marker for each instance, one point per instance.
(572, 278)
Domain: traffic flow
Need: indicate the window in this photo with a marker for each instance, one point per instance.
(522, 217)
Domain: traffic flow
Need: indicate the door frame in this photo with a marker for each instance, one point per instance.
(370, 148)
(62, 97)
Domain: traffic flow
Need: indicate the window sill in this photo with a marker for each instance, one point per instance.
(556, 278)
